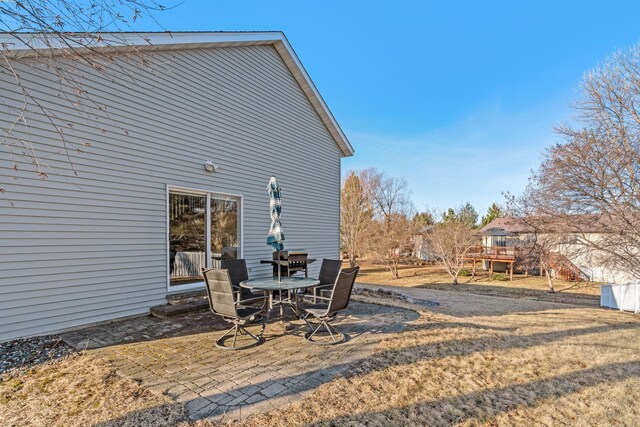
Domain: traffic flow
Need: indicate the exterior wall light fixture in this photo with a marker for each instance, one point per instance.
(209, 166)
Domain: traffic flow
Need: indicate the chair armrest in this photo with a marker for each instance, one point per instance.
(251, 300)
(317, 290)
(321, 288)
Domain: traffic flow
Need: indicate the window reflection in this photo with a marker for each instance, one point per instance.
(186, 237)
(225, 226)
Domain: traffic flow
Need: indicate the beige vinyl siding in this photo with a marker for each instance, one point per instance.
(92, 247)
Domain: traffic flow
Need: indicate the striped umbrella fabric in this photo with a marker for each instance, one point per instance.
(275, 238)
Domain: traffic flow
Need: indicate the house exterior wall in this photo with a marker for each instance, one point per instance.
(590, 260)
(92, 247)
(587, 259)
(421, 247)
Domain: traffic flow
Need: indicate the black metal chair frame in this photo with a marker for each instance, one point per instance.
(223, 303)
(329, 272)
(238, 273)
(338, 301)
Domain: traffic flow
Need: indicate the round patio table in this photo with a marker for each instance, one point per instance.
(291, 284)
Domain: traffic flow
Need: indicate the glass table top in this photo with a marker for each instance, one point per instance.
(285, 283)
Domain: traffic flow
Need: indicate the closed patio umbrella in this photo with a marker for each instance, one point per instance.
(275, 238)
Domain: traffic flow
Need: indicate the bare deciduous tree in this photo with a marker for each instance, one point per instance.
(594, 176)
(391, 240)
(67, 37)
(390, 195)
(356, 213)
(448, 243)
(541, 250)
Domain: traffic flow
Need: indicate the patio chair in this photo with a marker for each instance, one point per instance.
(238, 273)
(326, 311)
(329, 271)
(223, 303)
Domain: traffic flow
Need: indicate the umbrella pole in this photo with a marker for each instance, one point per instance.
(279, 268)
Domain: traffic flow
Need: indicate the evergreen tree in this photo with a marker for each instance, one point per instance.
(467, 214)
(449, 215)
(494, 211)
(422, 221)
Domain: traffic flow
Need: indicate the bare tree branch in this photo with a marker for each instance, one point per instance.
(448, 243)
(65, 36)
(589, 186)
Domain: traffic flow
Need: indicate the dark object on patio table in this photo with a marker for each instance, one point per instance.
(336, 302)
(223, 303)
(238, 273)
(291, 263)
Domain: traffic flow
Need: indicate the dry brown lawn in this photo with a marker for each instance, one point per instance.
(81, 391)
(532, 287)
(473, 360)
(556, 366)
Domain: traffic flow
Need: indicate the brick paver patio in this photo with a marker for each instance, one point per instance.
(178, 357)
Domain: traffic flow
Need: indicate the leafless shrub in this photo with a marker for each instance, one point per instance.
(393, 241)
(541, 250)
(448, 243)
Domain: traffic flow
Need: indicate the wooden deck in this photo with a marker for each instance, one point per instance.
(506, 254)
(563, 267)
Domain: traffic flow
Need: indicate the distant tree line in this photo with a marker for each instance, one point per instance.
(378, 221)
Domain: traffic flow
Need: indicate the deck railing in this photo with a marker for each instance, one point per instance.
(492, 252)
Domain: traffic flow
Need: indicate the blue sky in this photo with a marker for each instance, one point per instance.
(458, 97)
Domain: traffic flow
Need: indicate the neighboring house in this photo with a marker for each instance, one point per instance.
(421, 247)
(505, 239)
(144, 214)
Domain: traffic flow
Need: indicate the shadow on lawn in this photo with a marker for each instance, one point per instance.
(517, 292)
(494, 401)
(483, 405)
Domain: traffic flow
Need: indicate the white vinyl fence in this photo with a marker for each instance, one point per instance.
(188, 264)
(624, 297)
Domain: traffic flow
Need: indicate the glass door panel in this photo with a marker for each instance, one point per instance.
(225, 226)
(187, 237)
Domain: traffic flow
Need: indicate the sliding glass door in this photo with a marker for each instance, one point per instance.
(204, 227)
